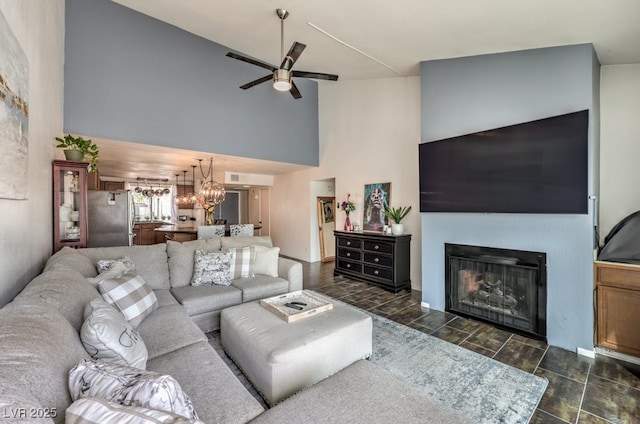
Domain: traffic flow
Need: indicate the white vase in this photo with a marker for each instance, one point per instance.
(397, 229)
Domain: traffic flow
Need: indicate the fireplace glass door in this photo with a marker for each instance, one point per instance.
(499, 289)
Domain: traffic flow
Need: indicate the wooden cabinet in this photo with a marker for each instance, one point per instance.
(144, 233)
(618, 307)
(69, 204)
(374, 257)
(111, 185)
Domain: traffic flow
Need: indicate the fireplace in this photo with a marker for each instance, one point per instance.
(503, 287)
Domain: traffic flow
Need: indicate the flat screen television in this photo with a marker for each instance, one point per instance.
(538, 167)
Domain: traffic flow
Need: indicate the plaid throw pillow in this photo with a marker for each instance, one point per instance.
(131, 295)
(242, 262)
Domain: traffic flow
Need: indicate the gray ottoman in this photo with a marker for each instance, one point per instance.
(281, 358)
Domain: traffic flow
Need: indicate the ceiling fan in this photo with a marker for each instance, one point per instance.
(282, 76)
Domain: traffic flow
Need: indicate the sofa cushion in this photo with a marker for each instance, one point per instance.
(96, 410)
(165, 298)
(362, 393)
(266, 261)
(212, 268)
(131, 295)
(106, 335)
(64, 289)
(129, 386)
(215, 391)
(70, 258)
(150, 261)
(181, 258)
(197, 300)
(169, 328)
(244, 241)
(242, 262)
(261, 286)
(38, 347)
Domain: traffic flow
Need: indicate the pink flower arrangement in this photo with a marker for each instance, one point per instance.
(348, 205)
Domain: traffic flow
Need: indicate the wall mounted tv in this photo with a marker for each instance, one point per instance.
(538, 167)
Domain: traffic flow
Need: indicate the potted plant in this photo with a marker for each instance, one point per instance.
(397, 215)
(76, 148)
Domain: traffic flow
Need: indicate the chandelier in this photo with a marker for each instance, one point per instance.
(211, 192)
(184, 200)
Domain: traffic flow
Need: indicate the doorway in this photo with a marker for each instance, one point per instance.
(326, 226)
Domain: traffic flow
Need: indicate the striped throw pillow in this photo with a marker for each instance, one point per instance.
(131, 295)
(242, 262)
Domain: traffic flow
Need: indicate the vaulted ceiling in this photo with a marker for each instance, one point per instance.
(360, 39)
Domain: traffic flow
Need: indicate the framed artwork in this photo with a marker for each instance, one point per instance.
(327, 211)
(376, 198)
(14, 116)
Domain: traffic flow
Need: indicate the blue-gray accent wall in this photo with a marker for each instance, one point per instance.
(470, 94)
(131, 77)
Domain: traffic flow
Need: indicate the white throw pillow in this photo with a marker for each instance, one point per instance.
(104, 264)
(95, 410)
(131, 295)
(242, 262)
(211, 268)
(129, 386)
(106, 335)
(114, 271)
(266, 261)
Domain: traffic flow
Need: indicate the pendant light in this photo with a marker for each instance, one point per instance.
(211, 192)
(192, 195)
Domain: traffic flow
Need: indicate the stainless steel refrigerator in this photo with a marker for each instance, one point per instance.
(110, 218)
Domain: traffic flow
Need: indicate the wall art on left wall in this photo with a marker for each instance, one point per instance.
(14, 116)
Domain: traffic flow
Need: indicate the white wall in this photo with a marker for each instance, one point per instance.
(369, 133)
(25, 228)
(619, 144)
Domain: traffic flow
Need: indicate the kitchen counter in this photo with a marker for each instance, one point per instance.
(173, 228)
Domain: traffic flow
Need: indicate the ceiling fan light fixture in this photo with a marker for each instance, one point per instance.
(282, 80)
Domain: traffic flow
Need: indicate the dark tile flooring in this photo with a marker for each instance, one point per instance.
(581, 390)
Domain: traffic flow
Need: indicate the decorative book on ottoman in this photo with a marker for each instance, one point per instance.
(296, 305)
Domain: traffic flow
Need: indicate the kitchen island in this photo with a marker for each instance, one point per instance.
(175, 232)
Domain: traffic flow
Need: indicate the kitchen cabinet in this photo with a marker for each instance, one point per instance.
(144, 233)
(383, 260)
(69, 204)
(617, 307)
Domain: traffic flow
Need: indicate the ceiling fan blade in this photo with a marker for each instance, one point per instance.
(314, 75)
(294, 91)
(251, 61)
(294, 53)
(256, 82)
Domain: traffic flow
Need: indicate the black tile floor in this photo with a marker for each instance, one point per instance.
(581, 390)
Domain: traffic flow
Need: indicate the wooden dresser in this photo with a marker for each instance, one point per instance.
(374, 257)
(618, 306)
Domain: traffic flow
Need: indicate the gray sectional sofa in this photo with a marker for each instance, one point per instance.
(40, 341)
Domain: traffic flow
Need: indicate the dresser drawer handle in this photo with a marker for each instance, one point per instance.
(376, 247)
(348, 254)
(348, 265)
(376, 260)
(376, 272)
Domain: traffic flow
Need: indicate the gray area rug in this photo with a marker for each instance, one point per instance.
(480, 388)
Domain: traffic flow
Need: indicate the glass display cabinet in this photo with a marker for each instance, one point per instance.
(69, 204)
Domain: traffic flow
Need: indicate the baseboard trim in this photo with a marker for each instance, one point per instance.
(425, 305)
(617, 355)
(586, 352)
